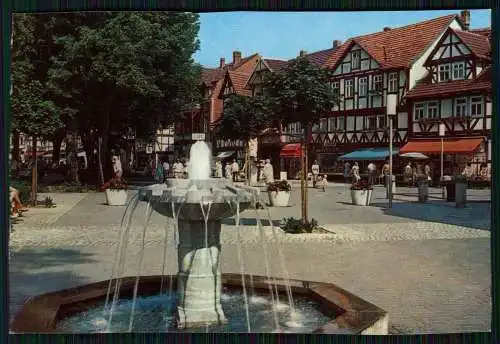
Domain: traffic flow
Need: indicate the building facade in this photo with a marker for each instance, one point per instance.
(456, 95)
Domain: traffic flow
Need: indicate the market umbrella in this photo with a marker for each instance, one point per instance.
(414, 155)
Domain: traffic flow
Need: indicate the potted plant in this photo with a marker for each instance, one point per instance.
(279, 193)
(361, 192)
(116, 191)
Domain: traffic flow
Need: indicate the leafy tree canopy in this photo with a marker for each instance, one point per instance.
(301, 93)
(244, 117)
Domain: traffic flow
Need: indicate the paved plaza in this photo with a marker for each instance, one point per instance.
(428, 265)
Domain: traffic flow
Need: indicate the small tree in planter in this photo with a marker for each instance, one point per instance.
(279, 193)
(361, 192)
(116, 191)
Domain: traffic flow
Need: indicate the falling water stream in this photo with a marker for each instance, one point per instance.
(199, 169)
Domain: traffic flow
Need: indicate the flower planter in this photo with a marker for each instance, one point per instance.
(116, 197)
(279, 198)
(361, 197)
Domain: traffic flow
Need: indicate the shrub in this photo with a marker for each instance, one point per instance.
(296, 226)
(279, 185)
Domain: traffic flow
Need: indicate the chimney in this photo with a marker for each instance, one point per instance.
(387, 29)
(336, 43)
(236, 57)
(302, 53)
(465, 18)
(222, 62)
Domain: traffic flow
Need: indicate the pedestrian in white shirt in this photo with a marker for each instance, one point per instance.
(355, 173)
(267, 171)
(372, 172)
(227, 171)
(178, 169)
(235, 168)
(315, 172)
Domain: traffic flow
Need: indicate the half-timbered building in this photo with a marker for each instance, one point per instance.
(233, 83)
(456, 93)
(199, 122)
(366, 70)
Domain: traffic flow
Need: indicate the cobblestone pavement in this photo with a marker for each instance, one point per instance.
(426, 264)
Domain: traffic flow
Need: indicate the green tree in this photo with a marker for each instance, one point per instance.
(301, 93)
(130, 68)
(245, 118)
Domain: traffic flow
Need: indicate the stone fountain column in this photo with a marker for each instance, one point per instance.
(199, 277)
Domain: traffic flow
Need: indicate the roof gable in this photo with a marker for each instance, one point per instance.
(236, 81)
(398, 47)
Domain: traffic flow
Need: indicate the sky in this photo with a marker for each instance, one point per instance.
(283, 34)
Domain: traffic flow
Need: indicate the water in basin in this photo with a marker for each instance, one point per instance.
(156, 313)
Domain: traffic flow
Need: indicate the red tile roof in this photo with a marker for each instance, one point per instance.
(210, 75)
(426, 89)
(478, 44)
(398, 47)
(239, 81)
(320, 57)
(485, 31)
(275, 65)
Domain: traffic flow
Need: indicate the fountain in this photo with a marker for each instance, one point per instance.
(197, 206)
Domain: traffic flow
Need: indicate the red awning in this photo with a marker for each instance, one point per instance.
(291, 150)
(463, 146)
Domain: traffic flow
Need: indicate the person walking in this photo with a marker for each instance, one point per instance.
(267, 172)
(177, 168)
(235, 168)
(372, 170)
(408, 174)
(315, 172)
(227, 171)
(218, 169)
(355, 173)
(427, 173)
(386, 169)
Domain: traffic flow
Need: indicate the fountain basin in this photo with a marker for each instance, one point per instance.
(183, 199)
(347, 313)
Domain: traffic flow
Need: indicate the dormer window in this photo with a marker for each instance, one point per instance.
(356, 59)
(444, 72)
(458, 70)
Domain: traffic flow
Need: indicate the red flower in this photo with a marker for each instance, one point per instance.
(115, 183)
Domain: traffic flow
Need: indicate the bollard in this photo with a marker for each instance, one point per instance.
(387, 178)
(460, 193)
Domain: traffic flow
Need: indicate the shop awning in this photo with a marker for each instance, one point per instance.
(369, 154)
(225, 154)
(464, 146)
(291, 150)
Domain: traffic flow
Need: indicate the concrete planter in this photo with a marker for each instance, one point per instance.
(460, 194)
(279, 198)
(423, 191)
(116, 197)
(361, 197)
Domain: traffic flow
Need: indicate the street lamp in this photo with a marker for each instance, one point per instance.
(442, 130)
(391, 112)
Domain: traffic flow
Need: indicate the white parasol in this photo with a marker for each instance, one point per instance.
(414, 155)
